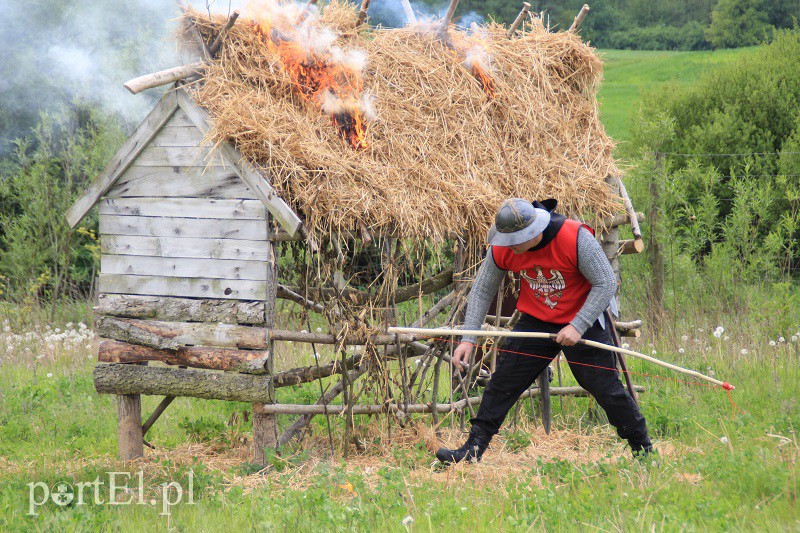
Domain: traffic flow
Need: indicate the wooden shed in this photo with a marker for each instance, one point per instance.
(195, 204)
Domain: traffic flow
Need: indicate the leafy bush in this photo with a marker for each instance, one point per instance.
(41, 257)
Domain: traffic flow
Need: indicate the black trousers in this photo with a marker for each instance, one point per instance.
(516, 372)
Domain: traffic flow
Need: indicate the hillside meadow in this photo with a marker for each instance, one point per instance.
(723, 462)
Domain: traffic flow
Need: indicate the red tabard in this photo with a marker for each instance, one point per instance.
(552, 288)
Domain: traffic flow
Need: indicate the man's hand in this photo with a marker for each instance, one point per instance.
(462, 354)
(568, 336)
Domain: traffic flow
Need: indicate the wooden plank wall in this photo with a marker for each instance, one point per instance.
(179, 222)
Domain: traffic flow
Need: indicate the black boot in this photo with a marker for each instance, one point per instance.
(472, 450)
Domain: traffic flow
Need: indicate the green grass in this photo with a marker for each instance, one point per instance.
(717, 471)
(630, 73)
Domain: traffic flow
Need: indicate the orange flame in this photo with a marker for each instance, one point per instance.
(316, 76)
(486, 81)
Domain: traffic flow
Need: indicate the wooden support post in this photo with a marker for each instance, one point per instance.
(129, 426)
(265, 425)
(544, 386)
(656, 287)
(517, 21)
(579, 18)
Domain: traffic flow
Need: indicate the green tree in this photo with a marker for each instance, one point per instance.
(737, 23)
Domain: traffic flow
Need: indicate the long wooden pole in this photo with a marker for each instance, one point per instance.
(438, 332)
(448, 16)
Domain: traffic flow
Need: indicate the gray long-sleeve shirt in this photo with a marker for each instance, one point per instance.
(592, 263)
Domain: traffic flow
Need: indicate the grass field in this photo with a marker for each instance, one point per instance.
(720, 466)
(630, 73)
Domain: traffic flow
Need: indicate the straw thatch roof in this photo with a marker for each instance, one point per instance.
(441, 154)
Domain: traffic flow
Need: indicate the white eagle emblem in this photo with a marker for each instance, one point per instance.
(544, 287)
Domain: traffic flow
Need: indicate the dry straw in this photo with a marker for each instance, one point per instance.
(441, 155)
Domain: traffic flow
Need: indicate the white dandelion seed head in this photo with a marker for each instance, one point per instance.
(684, 338)
(717, 334)
(794, 338)
(681, 350)
(720, 329)
(303, 331)
(626, 345)
(781, 339)
(49, 374)
(744, 351)
(726, 338)
(772, 343)
(319, 330)
(654, 352)
(723, 440)
(407, 521)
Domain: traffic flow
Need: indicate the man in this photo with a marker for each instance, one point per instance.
(567, 283)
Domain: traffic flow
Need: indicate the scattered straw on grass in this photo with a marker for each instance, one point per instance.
(441, 154)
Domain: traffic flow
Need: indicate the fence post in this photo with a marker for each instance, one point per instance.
(655, 307)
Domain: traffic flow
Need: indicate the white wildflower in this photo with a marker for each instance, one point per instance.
(319, 330)
(58, 330)
(407, 521)
(303, 331)
(10, 347)
(89, 356)
(626, 345)
(49, 374)
(717, 334)
(723, 440)
(681, 350)
(794, 338)
(720, 329)
(316, 355)
(781, 339)
(654, 352)
(726, 338)
(772, 343)
(744, 351)
(684, 338)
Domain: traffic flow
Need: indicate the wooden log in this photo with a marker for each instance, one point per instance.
(631, 246)
(111, 351)
(163, 77)
(526, 7)
(129, 426)
(217, 44)
(579, 17)
(362, 12)
(428, 286)
(137, 379)
(170, 335)
(181, 309)
(634, 333)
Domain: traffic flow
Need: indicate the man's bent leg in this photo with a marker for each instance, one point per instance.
(591, 368)
(514, 374)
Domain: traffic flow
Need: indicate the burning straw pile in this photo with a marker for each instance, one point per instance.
(411, 132)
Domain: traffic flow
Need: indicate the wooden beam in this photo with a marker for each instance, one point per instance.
(123, 158)
(517, 21)
(257, 182)
(163, 77)
(170, 335)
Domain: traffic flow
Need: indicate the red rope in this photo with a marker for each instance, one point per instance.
(727, 387)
